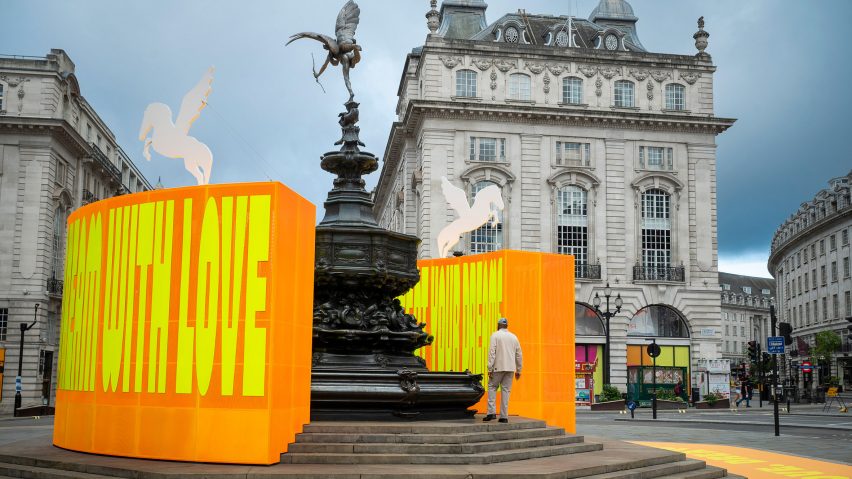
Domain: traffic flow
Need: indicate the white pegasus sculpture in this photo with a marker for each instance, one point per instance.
(470, 217)
(172, 140)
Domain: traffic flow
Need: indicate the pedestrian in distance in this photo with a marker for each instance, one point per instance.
(745, 392)
(735, 391)
(678, 389)
(504, 361)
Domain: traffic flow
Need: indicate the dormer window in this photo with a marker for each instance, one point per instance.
(747, 289)
(726, 287)
(764, 292)
(511, 34)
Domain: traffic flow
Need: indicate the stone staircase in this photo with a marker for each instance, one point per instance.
(459, 449)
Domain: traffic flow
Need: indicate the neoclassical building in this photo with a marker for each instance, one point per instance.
(600, 149)
(810, 261)
(56, 154)
(745, 315)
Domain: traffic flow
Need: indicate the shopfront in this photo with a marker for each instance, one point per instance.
(589, 354)
(667, 327)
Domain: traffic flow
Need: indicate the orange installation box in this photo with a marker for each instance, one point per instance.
(461, 299)
(186, 324)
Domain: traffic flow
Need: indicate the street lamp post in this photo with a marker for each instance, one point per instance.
(607, 314)
(18, 380)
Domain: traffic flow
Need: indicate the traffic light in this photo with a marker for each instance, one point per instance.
(767, 358)
(752, 351)
(785, 329)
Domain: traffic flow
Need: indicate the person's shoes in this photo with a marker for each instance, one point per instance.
(489, 417)
(503, 420)
(747, 405)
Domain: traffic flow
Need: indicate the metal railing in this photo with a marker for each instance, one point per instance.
(55, 286)
(658, 273)
(89, 197)
(587, 271)
(104, 162)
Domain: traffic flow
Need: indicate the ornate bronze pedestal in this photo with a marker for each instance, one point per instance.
(364, 365)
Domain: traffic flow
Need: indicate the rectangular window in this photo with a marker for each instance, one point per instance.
(835, 305)
(60, 173)
(572, 90)
(742, 331)
(88, 132)
(799, 289)
(813, 251)
(822, 246)
(807, 314)
(822, 275)
(848, 296)
(656, 158)
(832, 242)
(747, 289)
(573, 154)
(834, 271)
(4, 322)
(846, 267)
(623, 94)
(572, 224)
(466, 83)
(727, 331)
(519, 87)
(807, 283)
(487, 149)
(726, 287)
(799, 259)
(824, 308)
(844, 237)
(674, 97)
(656, 233)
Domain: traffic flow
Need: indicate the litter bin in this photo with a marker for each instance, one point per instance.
(696, 395)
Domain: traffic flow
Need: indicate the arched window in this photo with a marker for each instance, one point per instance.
(466, 83)
(656, 234)
(658, 321)
(675, 96)
(572, 223)
(519, 87)
(488, 237)
(572, 90)
(623, 94)
(587, 322)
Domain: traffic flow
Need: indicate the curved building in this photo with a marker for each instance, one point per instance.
(810, 262)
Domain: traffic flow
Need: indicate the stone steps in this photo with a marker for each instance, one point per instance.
(687, 469)
(33, 472)
(461, 438)
(517, 454)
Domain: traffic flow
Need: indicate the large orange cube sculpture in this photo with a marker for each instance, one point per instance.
(186, 324)
(461, 300)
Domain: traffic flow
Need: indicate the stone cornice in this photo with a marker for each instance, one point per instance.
(58, 129)
(829, 221)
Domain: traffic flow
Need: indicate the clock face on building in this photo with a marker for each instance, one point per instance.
(562, 39)
(512, 35)
(611, 42)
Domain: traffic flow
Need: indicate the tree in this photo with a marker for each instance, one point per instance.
(827, 342)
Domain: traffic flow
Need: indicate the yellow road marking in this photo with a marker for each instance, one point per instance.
(757, 464)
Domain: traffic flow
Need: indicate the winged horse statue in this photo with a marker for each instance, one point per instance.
(172, 140)
(470, 217)
(343, 49)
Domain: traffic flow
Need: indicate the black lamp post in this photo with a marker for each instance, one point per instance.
(607, 314)
(24, 329)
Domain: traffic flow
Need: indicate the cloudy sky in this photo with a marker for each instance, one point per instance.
(782, 72)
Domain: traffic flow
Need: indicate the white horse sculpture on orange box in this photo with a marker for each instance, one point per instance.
(470, 217)
(172, 140)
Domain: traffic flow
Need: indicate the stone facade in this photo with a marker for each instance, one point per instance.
(56, 154)
(547, 107)
(810, 260)
(745, 314)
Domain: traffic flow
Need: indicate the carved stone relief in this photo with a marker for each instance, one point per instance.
(450, 62)
(505, 65)
(481, 63)
(536, 68)
(660, 76)
(650, 87)
(546, 82)
(557, 69)
(690, 77)
(610, 72)
(639, 74)
(493, 84)
(588, 71)
(598, 85)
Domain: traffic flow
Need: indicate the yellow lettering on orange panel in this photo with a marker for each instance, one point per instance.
(113, 318)
(144, 258)
(254, 350)
(186, 335)
(207, 296)
(130, 261)
(79, 297)
(158, 336)
(93, 274)
(454, 294)
(234, 251)
(67, 308)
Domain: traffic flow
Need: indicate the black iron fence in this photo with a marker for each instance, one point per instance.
(105, 163)
(587, 271)
(658, 273)
(55, 286)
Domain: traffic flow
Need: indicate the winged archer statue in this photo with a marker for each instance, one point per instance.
(342, 50)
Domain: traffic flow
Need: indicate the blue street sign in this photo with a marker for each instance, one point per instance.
(18, 384)
(775, 344)
(631, 405)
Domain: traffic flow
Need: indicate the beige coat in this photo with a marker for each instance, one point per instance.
(504, 352)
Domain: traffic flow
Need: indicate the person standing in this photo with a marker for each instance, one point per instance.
(745, 392)
(504, 361)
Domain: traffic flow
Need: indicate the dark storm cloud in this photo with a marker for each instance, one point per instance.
(783, 70)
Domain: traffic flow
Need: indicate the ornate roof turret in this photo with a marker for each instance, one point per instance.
(618, 14)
